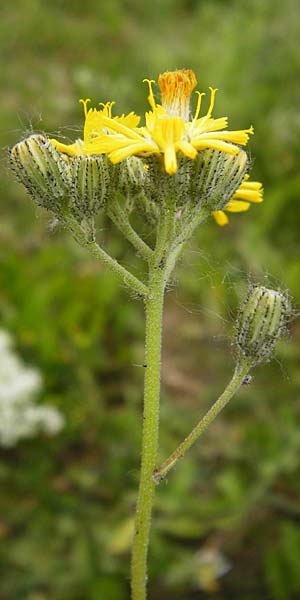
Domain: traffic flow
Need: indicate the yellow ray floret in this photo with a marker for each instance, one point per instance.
(249, 191)
(168, 130)
(93, 125)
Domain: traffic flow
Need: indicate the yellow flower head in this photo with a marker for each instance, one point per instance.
(169, 130)
(168, 127)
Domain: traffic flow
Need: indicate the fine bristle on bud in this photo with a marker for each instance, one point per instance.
(42, 170)
(261, 323)
(131, 176)
(90, 184)
(209, 180)
(215, 176)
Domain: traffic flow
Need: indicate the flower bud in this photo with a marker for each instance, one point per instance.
(131, 176)
(221, 175)
(129, 182)
(261, 323)
(42, 170)
(90, 184)
(208, 180)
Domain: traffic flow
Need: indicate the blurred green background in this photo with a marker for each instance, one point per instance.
(227, 521)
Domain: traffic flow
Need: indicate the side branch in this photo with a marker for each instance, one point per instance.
(120, 219)
(183, 235)
(95, 250)
(197, 217)
(236, 381)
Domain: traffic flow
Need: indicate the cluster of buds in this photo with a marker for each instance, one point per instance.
(179, 160)
(81, 184)
(209, 180)
(84, 184)
(262, 321)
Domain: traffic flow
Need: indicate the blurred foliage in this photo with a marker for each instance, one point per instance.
(227, 520)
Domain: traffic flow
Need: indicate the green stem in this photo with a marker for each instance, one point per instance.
(172, 259)
(154, 315)
(184, 234)
(120, 219)
(196, 218)
(95, 250)
(236, 381)
(165, 236)
(154, 311)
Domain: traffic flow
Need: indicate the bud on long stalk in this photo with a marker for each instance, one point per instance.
(261, 323)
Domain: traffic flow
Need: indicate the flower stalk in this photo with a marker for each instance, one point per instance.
(238, 377)
(127, 278)
(154, 314)
(121, 220)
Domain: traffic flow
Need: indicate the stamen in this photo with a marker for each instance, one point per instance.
(85, 103)
(151, 99)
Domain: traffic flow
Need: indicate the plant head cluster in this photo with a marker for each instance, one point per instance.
(192, 161)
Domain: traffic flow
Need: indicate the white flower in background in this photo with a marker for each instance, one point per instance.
(20, 416)
(211, 564)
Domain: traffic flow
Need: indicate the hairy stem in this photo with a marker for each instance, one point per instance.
(154, 314)
(236, 381)
(165, 236)
(197, 217)
(183, 235)
(154, 311)
(95, 250)
(120, 219)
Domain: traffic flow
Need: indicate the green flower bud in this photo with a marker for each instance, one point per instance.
(208, 180)
(42, 170)
(261, 323)
(221, 175)
(95, 180)
(130, 184)
(91, 184)
(131, 176)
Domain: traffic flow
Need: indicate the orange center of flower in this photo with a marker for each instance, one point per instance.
(176, 88)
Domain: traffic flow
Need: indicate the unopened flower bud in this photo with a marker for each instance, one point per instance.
(131, 175)
(222, 175)
(261, 323)
(91, 184)
(129, 181)
(42, 170)
(209, 180)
